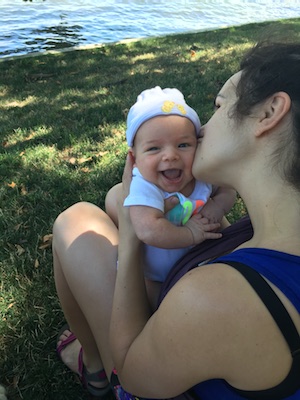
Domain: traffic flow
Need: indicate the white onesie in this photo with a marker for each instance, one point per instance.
(158, 261)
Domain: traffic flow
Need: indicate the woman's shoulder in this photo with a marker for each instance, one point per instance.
(215, 292)
(280, 268)
(226, 319)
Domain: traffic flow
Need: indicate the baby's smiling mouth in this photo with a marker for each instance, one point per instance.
(172, 174)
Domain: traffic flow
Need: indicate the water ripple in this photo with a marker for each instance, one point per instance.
(38, 25)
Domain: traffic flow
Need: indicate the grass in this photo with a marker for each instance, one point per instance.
(62, 126)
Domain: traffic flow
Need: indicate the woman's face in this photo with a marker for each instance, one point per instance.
(222, 139)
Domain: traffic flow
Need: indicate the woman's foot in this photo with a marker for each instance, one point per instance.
(68, 348)
(69, 351)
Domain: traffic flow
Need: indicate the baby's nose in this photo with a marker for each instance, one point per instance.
(170, 154)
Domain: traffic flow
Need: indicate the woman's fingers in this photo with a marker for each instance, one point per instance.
(127, 174)
(170, 203)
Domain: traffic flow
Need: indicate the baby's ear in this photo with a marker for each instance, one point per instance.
(131, 153)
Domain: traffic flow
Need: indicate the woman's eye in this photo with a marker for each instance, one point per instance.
(216, 103)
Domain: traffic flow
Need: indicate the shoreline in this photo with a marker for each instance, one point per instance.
(67, 49)
(132, 40)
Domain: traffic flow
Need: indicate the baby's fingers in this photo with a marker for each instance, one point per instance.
(211, 227)
(200, 219)
(212, 235)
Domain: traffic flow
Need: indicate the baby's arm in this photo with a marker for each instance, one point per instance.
(219, 204)
(154, 229)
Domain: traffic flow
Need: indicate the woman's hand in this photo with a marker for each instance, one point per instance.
(127, 175)
(170, 203)
(125, 225)
(126, 181)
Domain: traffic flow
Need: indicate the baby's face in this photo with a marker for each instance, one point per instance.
(164, 149)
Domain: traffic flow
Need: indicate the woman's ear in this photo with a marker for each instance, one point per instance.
(273, 111)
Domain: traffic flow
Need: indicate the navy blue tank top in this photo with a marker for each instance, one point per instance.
(283, 270)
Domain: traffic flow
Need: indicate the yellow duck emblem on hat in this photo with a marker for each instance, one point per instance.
(168, 106)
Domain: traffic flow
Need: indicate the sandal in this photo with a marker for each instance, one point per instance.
(85, 376)
(64, 343)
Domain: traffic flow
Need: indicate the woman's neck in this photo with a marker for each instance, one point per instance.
(275, 215)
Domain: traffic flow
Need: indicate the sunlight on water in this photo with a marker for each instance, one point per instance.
(38, 25)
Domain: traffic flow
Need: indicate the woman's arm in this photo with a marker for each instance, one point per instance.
(131, 308)
(211, 325)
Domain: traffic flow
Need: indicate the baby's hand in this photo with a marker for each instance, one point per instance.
(201, 229)
(212, 212)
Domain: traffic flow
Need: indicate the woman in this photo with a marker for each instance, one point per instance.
(212, 332)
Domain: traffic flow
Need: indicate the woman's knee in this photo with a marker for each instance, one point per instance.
(111, 202)
(80, 216)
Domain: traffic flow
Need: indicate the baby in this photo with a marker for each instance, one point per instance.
(162, 134)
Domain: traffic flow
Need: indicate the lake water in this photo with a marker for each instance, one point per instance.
(39, 25)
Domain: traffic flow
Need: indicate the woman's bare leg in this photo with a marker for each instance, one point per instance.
(111, 202)
(85, 244)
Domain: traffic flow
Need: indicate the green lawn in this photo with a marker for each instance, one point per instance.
(62, 125)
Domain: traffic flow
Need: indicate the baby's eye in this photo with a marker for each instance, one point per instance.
(152, 148)
(183, 145)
